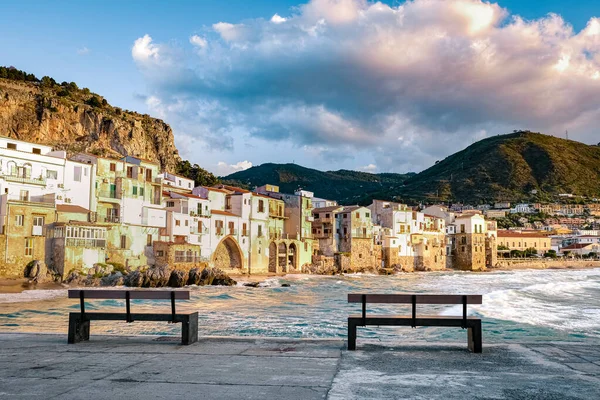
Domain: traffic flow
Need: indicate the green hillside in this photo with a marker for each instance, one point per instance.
(510, 167)
(503, 167)
(348, 187)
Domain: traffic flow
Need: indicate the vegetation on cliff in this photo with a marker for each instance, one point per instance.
(74, 119)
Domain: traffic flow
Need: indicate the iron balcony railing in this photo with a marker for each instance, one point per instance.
(48, 199)
(85, 242)
(189, 259)
(25, 180)
(114, 219)
(232, 231)
(109, 194)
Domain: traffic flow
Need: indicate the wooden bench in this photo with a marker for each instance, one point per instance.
(79, 322)
(472, 324)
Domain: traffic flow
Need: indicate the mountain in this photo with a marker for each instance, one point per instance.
(73, 119)
(347, 187)
(510, 167)
(503, 167)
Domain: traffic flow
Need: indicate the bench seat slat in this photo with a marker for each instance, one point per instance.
(103, 316)
(133, 294)
(420, 298)
(387, 320)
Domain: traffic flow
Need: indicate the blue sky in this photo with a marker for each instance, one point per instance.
(91, 43)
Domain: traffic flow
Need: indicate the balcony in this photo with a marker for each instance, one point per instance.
(24, 180)
(245, 232)
(220, 231)
(233, 232)
(189, 259)
(113, 219)
(259, 234)
(45, 200)
(310, 218)
(275, 214)
(88, 243)
(361, 235)
(109, 194)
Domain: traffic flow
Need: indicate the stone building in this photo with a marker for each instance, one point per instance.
(470, 242)
(354, 229)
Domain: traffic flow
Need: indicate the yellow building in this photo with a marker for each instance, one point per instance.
(524, 240)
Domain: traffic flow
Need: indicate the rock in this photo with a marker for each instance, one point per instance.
(179, 278)
(215, 277)
(251, 284)
(194, 276)
(92, 280)
(101, 269)
(75, 278)
(135, 279)
(157, 276)
(116, 279)
(285, 285)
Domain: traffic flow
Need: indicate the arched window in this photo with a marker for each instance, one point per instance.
(11, 168)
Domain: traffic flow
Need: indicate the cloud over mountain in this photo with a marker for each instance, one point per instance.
(398, 87)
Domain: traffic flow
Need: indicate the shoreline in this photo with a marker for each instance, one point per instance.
(19, 285)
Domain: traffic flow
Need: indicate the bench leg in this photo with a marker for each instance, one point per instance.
(475, 339)
(189, 329)
(351, 334)
(79, 330)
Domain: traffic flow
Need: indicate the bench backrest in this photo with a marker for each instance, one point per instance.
(419, 298)
(133, 294)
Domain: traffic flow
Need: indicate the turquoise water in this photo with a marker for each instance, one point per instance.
(526, 305)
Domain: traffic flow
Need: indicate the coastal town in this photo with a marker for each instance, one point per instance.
(72, 213)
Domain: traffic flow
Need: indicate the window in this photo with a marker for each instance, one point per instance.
(177, 222)
(261, 206)
(231, 227)
(327, 215)
(134, 188)
(28, 246)
(12, 146)
(368, 215)
(113, 167)
(77, 173)
(51, 174)
(149, 175)
(38, 221)
(85, 172)
(463, 249)
(24, 195)
(189, 185)
(142, 191)
(357, 214)
(170, 204)
(462, 228)
(123, 241)
(130, 172)
(149, 240)
(316, 216)
(345, 215)
(160, 253)
(35, 150)
(186, 222)
(260, 231)
(245, 229)
(18, 220)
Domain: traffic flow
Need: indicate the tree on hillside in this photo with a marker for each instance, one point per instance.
(93, 101)
(200, 176)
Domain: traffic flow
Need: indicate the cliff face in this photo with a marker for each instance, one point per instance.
(66, 119)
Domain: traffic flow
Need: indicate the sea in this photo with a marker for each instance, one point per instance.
(520, 305)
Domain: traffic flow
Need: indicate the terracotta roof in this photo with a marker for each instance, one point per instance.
(215, 189)
(327, 209)
(233, 188)
(502, 233)
(80, 223)
(219, 212)
(68, 208)
(191, 196)
(576, 246)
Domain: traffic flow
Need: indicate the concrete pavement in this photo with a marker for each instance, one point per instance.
(108, 367)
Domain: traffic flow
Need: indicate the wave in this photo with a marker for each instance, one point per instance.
(32, 295)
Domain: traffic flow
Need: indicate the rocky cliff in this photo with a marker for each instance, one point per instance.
(73, 119)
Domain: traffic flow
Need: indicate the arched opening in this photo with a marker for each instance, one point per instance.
(273, 258)
(228, 255)
(293, 257)
(282, 256)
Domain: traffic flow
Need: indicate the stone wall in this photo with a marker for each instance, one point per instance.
(542, 264)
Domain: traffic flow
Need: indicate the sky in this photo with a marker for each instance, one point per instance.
(330, 84)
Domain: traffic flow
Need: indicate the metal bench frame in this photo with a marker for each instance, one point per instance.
(473, 325)
(79, 322)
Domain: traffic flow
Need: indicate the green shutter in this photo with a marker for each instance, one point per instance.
(135, 190)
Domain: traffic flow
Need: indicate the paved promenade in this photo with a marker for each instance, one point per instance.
(45, 367)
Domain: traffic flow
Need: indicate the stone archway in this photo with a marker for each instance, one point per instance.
(292, 258)
(282, 256)
(273, 257)
(228, 255)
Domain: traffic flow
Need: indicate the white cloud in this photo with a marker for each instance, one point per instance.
(276, 19)
(224, 169)
(83, 51)
(408, 84)
(369, 168)
(198, 41)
